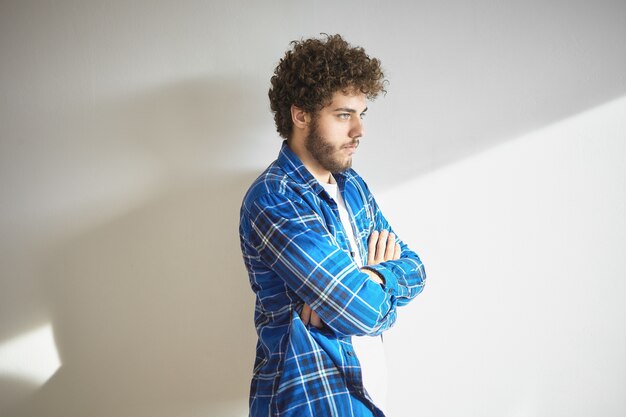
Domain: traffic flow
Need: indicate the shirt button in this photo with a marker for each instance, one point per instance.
(350, 353)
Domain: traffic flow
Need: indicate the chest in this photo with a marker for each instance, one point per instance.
(348, 218)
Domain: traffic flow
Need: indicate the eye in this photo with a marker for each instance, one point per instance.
(344, 116)
(363, 115)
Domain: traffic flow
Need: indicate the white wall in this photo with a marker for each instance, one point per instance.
(129, 132)
(524, 243)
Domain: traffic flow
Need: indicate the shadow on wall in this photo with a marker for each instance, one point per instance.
(151, 309)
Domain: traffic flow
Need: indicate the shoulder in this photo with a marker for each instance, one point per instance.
(273, 185)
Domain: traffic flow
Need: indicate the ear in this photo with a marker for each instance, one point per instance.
(299, 117)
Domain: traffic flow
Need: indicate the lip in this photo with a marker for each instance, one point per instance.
(351, 147)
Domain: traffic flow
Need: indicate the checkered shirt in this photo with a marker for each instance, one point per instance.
(296, 251)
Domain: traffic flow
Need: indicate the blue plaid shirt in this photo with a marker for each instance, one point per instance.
(296, 251)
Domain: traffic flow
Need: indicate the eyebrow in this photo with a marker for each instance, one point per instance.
(348, 110)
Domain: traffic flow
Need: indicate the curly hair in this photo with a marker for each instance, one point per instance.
(313, 70)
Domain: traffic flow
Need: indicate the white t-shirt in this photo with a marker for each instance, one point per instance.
(369, 349)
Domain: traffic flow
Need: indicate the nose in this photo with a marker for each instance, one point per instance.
(357, 130)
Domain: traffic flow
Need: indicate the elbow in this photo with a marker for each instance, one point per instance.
(415, 288)
(412, 293)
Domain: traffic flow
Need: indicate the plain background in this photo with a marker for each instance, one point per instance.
(129, 132)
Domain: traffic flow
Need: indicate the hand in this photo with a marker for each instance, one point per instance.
(373, 276)
(308, 316)
(382, 247)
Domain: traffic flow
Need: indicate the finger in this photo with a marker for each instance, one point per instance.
(305, 314)
(315, 320)
(391, 246)
(371, 247)
(397, 252)
(381, 246)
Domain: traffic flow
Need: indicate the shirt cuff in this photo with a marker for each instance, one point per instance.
(391, 282)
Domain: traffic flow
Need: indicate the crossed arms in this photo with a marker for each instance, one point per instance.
(382, 247)
(292, 241)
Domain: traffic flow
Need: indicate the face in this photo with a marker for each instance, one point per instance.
(335, 131)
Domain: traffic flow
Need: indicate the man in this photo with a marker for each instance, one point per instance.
(326, 267)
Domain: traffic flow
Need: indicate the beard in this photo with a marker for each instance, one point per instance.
(326, 154)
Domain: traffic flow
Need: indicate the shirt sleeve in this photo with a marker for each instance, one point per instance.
(292, 240)
(404, 277)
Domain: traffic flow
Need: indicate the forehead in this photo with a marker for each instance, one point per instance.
(347, 100)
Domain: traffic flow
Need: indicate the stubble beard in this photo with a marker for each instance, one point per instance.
(325, 152)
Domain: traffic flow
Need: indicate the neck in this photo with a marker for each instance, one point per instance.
(324, 176)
